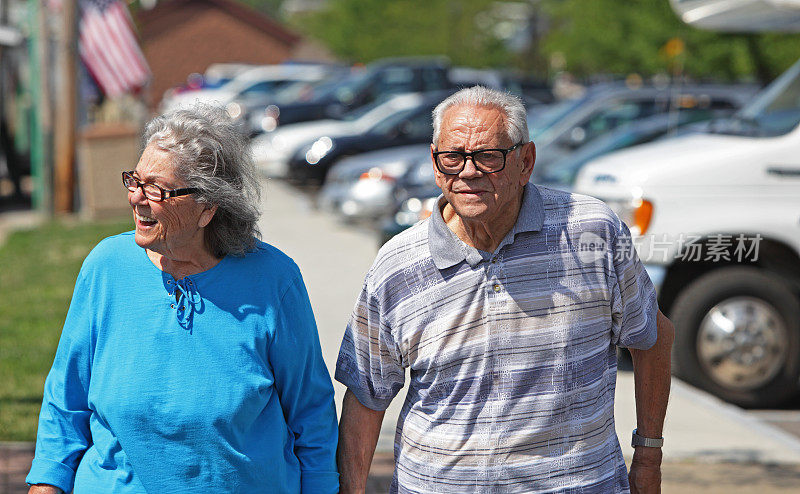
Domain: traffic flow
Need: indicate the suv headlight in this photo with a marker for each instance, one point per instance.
(636, 213)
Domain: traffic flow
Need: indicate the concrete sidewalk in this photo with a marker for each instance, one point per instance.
(334, 259)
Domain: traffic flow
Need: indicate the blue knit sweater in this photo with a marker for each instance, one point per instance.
(212, 383)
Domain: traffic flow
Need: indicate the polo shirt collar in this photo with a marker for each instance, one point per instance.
(447, 249)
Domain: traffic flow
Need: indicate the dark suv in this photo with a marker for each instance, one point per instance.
(379, 80)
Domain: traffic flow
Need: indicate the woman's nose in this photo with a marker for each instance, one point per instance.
(137, 196)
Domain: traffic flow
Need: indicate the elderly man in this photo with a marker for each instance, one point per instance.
(506, 306)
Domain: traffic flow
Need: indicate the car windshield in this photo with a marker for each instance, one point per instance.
(344, 90)
(390, 122)
(775, 111)
(564, 170)
(301, 91)
(539, 123)
(359, 112)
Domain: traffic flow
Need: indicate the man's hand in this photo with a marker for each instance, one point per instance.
(645, 472)
(44, 489)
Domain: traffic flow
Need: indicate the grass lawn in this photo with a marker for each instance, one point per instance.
(37, 273)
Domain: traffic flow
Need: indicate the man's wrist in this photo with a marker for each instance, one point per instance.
(648, 442)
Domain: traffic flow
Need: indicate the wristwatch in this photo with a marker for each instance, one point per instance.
(648, 442)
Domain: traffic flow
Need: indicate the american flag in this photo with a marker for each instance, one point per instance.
(109, 49)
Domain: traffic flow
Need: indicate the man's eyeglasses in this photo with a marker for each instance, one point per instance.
(153, 191)
(485, 160)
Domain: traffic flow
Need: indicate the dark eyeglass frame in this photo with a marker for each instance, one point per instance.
(471, 155)
(165, 193)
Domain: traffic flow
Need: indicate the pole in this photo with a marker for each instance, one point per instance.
(40, 122)
(66, 111)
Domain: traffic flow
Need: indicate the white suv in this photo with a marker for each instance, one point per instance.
(716, 217)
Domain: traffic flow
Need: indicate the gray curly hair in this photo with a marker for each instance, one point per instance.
(509, 104)
(212, 155)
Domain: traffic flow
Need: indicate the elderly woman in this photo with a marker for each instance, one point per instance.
(189, 360)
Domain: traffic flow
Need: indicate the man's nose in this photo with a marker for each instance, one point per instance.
(470, 170)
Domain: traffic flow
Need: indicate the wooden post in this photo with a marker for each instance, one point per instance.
(66, 111)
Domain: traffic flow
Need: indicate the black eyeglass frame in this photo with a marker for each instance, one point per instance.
(165, 193)
(465, 155)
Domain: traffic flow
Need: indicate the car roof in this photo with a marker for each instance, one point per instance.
(420, 61)
(739, 92)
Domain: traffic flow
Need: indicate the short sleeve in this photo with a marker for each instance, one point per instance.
(634, 302)
(369, 362)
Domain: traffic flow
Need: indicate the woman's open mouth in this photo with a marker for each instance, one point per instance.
(144, 221)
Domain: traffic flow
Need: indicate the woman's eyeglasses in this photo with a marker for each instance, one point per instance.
(152, 191)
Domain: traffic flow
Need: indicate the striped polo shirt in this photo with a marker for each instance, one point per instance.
(511, 354)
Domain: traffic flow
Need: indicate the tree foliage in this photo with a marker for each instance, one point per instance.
(365, 30)
(269, 7)
(623, 36)
(591, 36)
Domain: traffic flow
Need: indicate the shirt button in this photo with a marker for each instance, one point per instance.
(171, 306)
(494, 260)
(496, 288)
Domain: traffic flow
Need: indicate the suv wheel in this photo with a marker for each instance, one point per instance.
(738, 336)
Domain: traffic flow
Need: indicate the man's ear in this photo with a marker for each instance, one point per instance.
(528, 159)
(206, 216)
(435, 170)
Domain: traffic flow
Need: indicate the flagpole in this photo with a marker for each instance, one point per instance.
(66, 111)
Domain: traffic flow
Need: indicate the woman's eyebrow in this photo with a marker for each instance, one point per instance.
(147, 178)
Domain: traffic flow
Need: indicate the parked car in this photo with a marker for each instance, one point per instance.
(218, 74)
(258, 112)
(362, 187)
(272, 152)
(570, 124)
(715, 218)
(410, 126)
(379, 80)
(251, 83)
(414, 195)
(560, 173)
(533, 92)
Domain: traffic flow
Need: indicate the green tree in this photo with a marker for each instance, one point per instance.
(623, 36)
(365, 30)
(269, 7)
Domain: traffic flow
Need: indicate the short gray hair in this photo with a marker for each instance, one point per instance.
(213, 155)
(509, 104)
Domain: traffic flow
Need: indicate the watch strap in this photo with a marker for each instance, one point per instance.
(648, 442)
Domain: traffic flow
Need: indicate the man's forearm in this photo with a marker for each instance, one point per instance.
(651, 373)
(359, 429)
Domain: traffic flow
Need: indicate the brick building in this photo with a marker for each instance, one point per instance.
(179, 37)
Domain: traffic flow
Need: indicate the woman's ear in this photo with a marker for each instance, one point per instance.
(206, 216)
